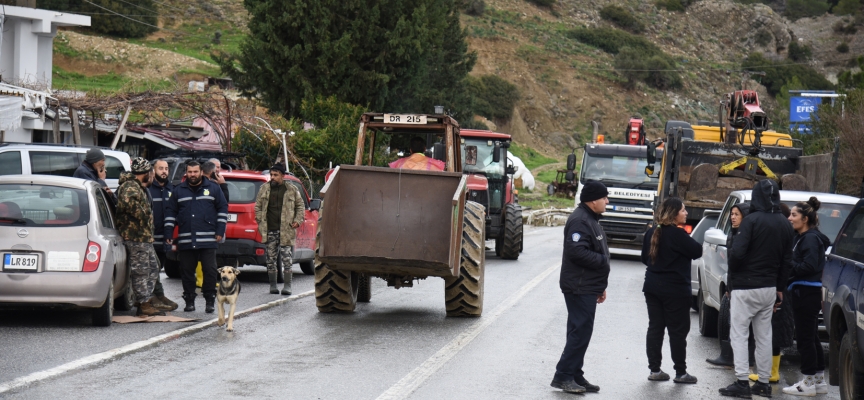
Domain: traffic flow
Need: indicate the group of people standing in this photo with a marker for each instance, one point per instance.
(776, 257)
(149, 207)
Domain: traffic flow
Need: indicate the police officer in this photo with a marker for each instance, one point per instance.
(199, 209)
(160, 192)
(135, 224)
(584, 277)
(279, 211)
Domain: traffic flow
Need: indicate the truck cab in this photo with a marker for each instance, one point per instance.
(631, 193)
(843, 302)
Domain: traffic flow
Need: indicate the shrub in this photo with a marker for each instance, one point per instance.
(621, 17)
(845, 29)
(612, 40)
(671, 5)
(796, 9)
(846, 7)
(843, 47)
(542, 3)
(475, 7)
(779, 73)
(763, 37)
(656, 70)
(799, 52)
(494, 97)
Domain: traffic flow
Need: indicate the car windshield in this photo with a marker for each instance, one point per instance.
(477, 158)
(242, 190)
(37, 205)
(831, 217)
(618, 171)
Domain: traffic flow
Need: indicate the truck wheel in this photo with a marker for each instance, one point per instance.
(723, 319)
(172, 268)
(851, 378)
(512, 232)
(364, 289)
(708, 321)
(308, 267)
(335, 291)
(102, 315)
(463, 294)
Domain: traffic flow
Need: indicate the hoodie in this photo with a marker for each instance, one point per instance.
(808, 257)
(761, 253)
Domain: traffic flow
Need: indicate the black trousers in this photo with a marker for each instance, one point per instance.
(670, 314)
(580, 326)
(188, 260)
(806, 303)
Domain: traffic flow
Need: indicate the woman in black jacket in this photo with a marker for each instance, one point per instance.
(805, 289)
(668, 251)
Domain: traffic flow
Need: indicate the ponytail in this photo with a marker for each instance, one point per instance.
(665, 216)
(809, 209)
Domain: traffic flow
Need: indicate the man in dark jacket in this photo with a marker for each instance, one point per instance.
(584, 277)
(93, 169)
(211, 171)
(759, 262)
(199, 209)
(160, 192)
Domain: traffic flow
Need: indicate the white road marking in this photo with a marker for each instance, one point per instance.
(409, 383)
(113, 353)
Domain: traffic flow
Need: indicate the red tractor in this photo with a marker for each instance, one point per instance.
(484, 160)
(635, 134)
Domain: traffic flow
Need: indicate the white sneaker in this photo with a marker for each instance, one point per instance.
(801, 389)
(821, 385)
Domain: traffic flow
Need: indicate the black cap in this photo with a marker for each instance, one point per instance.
(593, 190)
(278, 167)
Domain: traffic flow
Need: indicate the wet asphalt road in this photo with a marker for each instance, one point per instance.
(292, 351)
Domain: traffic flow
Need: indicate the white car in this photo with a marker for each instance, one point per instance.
(709, 220)
(59, 246)
(58, 159)
(713, 269)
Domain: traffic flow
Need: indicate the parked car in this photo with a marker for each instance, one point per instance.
(709, 220)
(712, 274)
(842, 306)
(176, 160)
(243, 243)
(60, 246)
(58, 159)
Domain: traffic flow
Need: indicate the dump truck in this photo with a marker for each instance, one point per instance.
(484, 160)
(704, 172)
(399, 224)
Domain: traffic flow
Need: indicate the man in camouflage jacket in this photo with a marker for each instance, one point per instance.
(279, 211)
(135, 223)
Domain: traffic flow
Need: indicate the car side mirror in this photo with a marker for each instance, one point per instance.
(315, 205)
(652, 158)
(715, 236)
(496, 153)
(511, 169)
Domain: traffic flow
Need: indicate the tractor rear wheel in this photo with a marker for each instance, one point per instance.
(512, 235)
(364, 289)
(463, 294)
(335, 291)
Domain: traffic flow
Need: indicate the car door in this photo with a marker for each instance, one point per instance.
(707, 222)
(849, 252)
(108, 232)
(717, 263)
(305, 238)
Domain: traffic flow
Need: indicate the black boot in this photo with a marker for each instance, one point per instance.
(211, 304)
(725, 358)
(190, 302)
(739, 389)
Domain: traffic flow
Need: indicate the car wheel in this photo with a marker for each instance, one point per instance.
(308, 267)
(708, 320)
(125, 301)
(102, 315)
(172, 268)
(851, 379)
(723, 319)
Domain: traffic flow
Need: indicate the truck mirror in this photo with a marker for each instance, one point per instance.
(511, 169)
(649, 170)
(652, 153)
(496, 153)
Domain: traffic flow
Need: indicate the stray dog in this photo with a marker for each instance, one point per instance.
(229, 289)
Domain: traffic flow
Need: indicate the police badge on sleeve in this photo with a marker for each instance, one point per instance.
(576, 237)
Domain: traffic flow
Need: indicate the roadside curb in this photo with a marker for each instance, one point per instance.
(97, 358)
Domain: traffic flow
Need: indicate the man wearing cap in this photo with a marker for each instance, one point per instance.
(135, 224)
(93, 169)
(279, 211)
(584, 277)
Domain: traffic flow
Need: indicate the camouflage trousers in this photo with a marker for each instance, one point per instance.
(143, 269)
(274, 250)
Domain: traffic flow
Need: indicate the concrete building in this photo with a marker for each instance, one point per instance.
(26, 59)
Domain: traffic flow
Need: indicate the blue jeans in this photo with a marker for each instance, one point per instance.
(580, 326)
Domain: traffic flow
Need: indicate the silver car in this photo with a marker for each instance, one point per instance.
(59, 246)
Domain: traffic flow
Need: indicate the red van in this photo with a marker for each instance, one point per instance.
(243, 244)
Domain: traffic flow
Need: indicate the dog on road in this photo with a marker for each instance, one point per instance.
(229, 289)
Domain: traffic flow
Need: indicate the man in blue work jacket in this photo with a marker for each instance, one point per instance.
(160, 192)
(198, 207)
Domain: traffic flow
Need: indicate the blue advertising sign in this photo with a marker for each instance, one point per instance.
(800, 108)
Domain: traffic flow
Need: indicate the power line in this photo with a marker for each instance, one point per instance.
(145, 9)
(745, 69)
(129, 18)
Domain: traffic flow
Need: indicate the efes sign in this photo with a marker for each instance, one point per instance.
(800, 108)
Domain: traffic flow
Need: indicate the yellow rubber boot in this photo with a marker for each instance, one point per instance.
(775, 371)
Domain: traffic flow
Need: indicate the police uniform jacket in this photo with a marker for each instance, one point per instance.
(160, 196)
(585, 264)
(200, 212)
